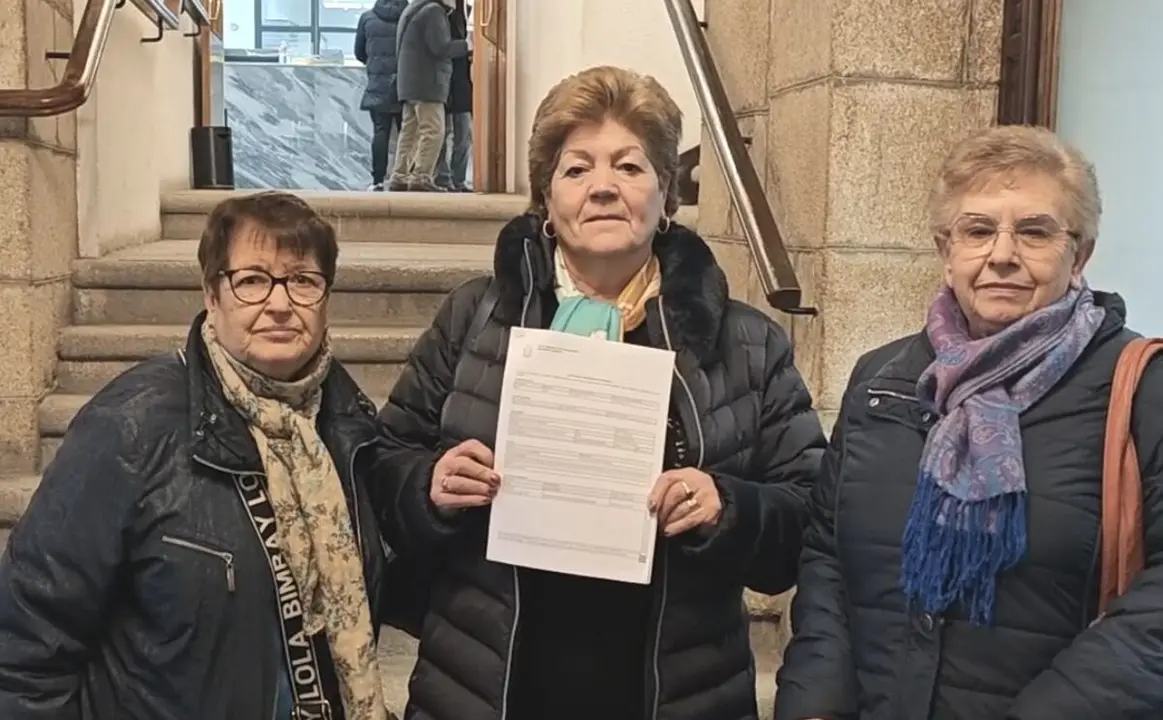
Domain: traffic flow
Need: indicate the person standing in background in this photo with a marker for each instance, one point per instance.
(375, 47)
(453, 176)
(425, 49)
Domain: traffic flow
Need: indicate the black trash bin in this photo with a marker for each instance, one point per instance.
(211, 158)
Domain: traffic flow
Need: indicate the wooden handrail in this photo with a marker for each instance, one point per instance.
(85, 58)
(764, 240)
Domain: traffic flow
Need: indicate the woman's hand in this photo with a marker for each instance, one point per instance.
(464, 477)
(685, 499)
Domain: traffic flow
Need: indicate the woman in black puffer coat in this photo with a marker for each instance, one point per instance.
(951, 571)
(503, 643)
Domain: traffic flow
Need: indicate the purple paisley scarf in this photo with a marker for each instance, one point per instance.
(967, 522)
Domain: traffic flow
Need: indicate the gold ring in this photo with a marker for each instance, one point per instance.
(444, 484)
(689, 493)
(692, 503)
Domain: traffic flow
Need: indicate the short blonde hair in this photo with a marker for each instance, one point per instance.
(639, 102)
(1009, 150)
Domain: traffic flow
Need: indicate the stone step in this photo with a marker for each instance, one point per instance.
(376, 283)
(363, 267)
(15, 492)
(85, 377)
(368, 217)
(133, 306)
(379, 217)
(351, 344)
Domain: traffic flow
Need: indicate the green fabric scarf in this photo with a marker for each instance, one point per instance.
(580, 315)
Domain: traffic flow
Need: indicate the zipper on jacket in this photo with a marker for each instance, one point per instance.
(227, 558)
(355, 497)
(875, 394)
(527, 300)
(698, 428)
(1095, 565)
(512, 643)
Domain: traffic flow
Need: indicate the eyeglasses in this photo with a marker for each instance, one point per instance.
(1031, 234)
(253, 286)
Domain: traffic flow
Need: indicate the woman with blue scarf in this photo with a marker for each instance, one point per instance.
(951, 571)
(599, 255)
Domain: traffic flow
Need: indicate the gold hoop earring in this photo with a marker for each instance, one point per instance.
(547, 230)
(664, 226)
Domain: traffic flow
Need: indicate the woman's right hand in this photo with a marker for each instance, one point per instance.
(464, 477)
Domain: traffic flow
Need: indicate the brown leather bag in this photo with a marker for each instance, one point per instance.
(1122, 490)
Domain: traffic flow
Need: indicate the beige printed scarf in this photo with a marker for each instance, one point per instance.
(311, 517)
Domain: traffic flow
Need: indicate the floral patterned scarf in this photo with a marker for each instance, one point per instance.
(311, 517)
(967, 522)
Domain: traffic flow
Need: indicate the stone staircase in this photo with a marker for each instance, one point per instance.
(399, 256)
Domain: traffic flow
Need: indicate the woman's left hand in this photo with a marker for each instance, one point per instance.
(685, 499)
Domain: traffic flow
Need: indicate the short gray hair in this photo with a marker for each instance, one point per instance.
(1016, 149)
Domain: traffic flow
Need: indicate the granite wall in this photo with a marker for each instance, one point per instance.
(851, 105)
(38, 230)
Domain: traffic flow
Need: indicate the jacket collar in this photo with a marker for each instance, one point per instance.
(694, 291)
(904, 369)
(221, 437)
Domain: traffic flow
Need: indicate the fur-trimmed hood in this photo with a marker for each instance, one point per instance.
(694, 289)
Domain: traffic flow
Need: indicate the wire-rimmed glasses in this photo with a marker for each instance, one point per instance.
(1031, 234)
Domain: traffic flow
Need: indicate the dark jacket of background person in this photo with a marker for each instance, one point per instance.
(375, 47)
(154, 455)
(460, 86)
(1039, 661)
(425, 49)
(750, 424)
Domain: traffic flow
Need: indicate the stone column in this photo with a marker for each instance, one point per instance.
(850, 106)
(38, 230)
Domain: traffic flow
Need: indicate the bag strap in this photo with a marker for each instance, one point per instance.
(310, 699)
(1122, 490)
(483, 313)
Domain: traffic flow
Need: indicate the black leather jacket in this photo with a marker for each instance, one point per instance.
(135, 585)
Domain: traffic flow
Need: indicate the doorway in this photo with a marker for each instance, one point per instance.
(490, 58)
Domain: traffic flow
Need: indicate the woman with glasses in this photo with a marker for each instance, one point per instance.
(201, 547)
(951, 571)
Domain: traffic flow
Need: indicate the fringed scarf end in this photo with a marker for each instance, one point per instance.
(954, 550)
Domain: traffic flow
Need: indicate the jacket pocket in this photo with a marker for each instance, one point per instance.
(227, 558)
(899, 407)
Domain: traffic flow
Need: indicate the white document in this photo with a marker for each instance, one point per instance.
(580, 437)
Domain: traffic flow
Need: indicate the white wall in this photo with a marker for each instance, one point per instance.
(133, 134)
(556, 38)
(1111, 106)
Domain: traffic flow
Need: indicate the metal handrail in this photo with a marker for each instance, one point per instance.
(74, 87)
(764, 240)
(161, 13)
(198, 12)
(85, 57)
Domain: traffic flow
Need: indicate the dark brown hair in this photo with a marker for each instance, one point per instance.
(286, 219)
(639, 102)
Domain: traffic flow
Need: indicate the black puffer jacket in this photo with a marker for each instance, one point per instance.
(136, 586)
(740, 395)
(460, 88)
(375, 47)
(857, 655)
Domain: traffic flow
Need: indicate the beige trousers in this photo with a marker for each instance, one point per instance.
(421, 137)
